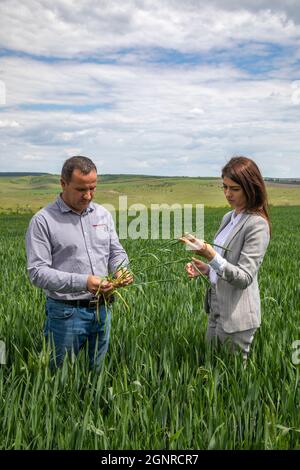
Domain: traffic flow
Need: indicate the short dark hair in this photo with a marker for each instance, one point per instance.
(78, 162)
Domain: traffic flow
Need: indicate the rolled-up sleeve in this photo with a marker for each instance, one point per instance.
(39, 262)
(218, 263)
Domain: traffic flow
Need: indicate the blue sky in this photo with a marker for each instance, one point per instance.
(156, 87)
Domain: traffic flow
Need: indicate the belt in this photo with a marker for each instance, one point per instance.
(87, 303)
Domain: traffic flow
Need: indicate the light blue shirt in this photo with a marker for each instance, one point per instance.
(218, 263)
(63, 248)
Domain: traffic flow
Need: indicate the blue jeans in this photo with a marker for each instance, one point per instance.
(69, 329)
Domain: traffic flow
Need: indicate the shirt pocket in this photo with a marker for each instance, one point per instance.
(101, 235)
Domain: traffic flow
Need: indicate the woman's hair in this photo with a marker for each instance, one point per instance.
(245, 172)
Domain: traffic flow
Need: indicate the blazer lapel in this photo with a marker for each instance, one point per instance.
(236, 229)
(225, 222)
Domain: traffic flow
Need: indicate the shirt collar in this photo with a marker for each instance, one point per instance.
(65, 208)
(236, 217)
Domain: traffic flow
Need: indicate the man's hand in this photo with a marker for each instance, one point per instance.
(94, 282)
(123, 277)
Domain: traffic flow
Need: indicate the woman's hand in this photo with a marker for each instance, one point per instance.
(197, 267)
(198, 246)
(193, 243)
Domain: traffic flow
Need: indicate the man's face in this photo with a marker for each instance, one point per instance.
(78, 193)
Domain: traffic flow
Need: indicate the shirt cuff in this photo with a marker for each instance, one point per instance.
(79, 282)
(218, 263)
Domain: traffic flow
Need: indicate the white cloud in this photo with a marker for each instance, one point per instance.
(65, 28)
(136, 164)
(144, 109)
(196, 111)
(32, 157)
(155, 118)
(9, 123)
(70, 152)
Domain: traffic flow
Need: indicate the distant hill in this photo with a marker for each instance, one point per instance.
(21, 173)
(25, 191)
(283, 180)
(134, 177)
(107, 177)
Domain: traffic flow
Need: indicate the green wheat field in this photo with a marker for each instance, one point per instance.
(30, 193)
(161, 387)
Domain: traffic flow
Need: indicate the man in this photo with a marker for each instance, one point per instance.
(71, 246)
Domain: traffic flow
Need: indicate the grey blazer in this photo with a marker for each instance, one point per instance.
(237, 289)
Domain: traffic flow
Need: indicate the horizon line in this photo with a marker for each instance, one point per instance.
(40, 173)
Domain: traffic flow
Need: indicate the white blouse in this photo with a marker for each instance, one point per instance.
(218, 263)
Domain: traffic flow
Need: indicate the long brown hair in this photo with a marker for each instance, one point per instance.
(246, 173)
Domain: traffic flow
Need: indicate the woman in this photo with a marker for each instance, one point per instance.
(233, 300)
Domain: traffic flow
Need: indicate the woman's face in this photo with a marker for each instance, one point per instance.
(234, 194)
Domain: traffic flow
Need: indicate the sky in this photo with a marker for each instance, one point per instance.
(157, 87)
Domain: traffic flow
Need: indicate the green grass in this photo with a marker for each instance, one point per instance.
(161, 387)
(30, 193)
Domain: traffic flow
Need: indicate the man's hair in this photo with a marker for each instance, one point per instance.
(83, 164)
